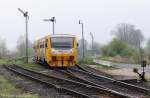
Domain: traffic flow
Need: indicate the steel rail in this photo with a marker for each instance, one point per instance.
(61, 89)
(84, 94)
(92, 70)
(103, 81)
(117, 81)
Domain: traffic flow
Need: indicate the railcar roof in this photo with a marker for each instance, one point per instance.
(62, 35)
(56, 35)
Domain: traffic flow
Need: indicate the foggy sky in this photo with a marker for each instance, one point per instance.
(98, 16)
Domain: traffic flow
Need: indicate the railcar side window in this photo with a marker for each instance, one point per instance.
(42, 46)
(46, 43)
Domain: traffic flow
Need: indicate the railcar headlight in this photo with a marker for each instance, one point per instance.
(53, 52)
(71, 51)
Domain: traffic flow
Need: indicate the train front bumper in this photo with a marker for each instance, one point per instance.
(63, 61)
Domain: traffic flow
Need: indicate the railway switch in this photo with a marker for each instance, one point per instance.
(142, 74)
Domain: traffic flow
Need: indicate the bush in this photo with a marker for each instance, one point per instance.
(127, 52)
(117, 47)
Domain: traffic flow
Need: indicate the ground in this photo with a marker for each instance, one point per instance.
(7, 87)
(8, 90)
(27, 86)
(120, 74)
(122, 71)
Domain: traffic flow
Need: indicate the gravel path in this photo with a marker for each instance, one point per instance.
(124, 70)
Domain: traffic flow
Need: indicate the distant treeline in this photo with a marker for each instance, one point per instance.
(127, 43)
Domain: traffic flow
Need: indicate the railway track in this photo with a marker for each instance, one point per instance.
(67, 75)
(79, 90)
(109, 83)
(95, 71)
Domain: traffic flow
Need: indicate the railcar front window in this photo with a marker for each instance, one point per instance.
(61, 42)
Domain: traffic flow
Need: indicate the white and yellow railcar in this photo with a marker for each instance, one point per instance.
(59, 50)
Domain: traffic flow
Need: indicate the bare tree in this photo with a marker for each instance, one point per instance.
(148, 48)
(128, 34)
(96, 47)
(21, 46)
(21, 49)
(80, 46)
(3, 49)
(136, 38)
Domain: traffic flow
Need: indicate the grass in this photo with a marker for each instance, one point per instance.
(115, 60)
(103, 58)
(30, 65)
(3, 61)
(89, 61)
(108, 59)
(8, 90)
